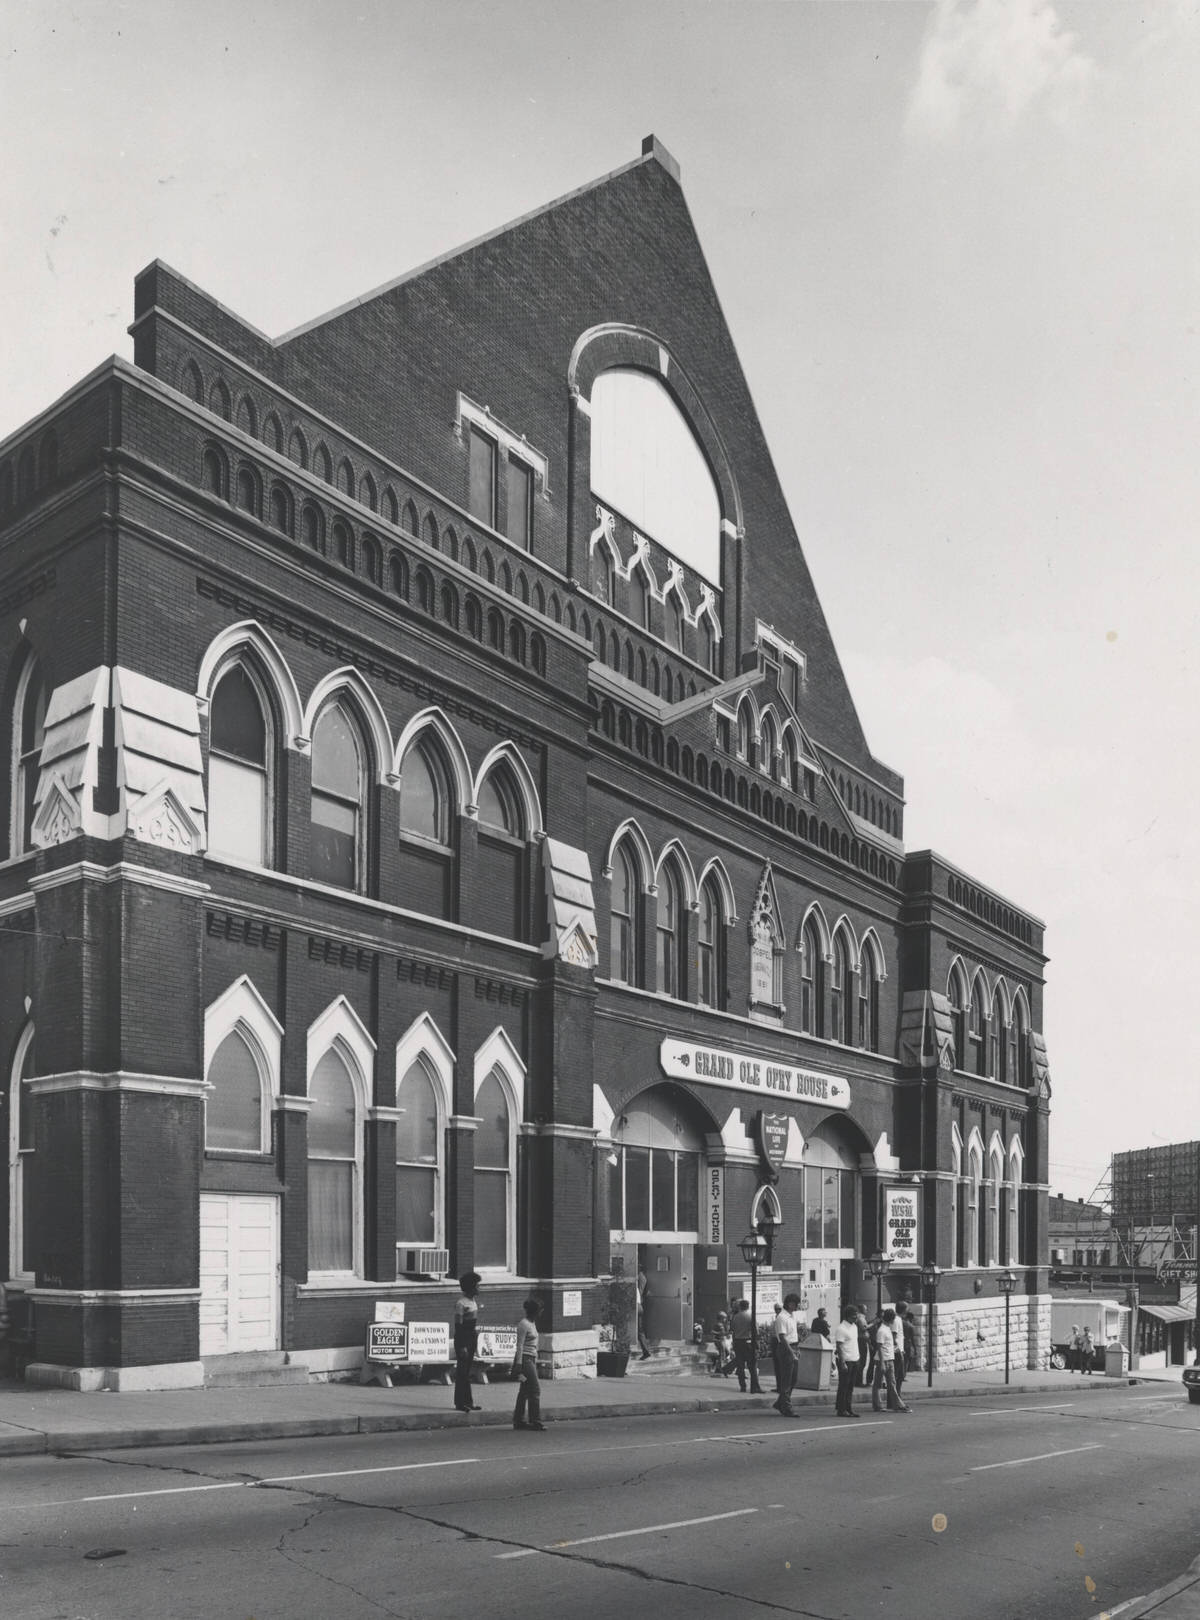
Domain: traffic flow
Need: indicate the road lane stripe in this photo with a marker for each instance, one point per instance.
(345, 1473)
(1044, 1456)
(128, 1496)
(998, 1411)
(621, 1535)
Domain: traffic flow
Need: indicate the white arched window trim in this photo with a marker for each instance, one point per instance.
(1016, 1178)
(362, 704)
(974, 1194)
(433, 723)
(525, 784)
(227, 648)
(995, 1182)
(339, 1029)
(243, 1010)
(674, 850)
(423, 1042)
(956, 1191)
(498, 1055)
(16, 805)
(17, 1100)
(630, 832)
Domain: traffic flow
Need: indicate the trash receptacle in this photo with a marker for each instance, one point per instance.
(1116, 1360)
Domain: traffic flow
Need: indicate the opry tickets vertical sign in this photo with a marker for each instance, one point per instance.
(901, 1224)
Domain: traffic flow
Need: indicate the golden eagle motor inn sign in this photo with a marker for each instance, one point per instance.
(719, 1066)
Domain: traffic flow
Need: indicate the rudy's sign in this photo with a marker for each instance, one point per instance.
(717, 1066)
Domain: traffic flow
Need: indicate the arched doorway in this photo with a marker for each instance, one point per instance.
(831, 1209)
(655, 1167)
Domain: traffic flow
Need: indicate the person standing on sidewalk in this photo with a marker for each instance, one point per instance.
(529, 1389)
(1087, 1350)
(845, 1351)
(787, 1337)
(860, 1319)
(885, 1365)
(643, 1288)
(906, 1342)
(466, 1338)
(744, 1347)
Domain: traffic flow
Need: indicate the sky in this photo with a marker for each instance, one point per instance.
(957, 245)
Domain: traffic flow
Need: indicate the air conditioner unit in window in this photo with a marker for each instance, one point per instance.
(424, 1262)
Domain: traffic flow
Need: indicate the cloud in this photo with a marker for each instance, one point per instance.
(986, 65)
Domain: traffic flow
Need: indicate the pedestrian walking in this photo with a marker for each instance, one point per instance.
(745, 1349)
(643, 1288)
(885, 1365)
(1087, 1351)
(529, 1388)
(872, 1346)
(820, 1324)
(860, 1322)
(845, 1352)
(1073, 1348)
(466, 1338)
(906, 1342)
(787, 1337)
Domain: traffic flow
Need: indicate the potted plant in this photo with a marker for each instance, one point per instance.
(617, 1320)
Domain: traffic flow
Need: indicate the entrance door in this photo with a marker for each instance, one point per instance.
(668, 1305)
(239, 1273)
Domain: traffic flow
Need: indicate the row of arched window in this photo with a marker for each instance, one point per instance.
(869, 805)
(651, 944)
(990, 1025)
(986, 1208)
(33, 469)
(989, 909)
(664, 620)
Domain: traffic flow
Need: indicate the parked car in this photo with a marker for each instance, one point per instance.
(1191, 1381)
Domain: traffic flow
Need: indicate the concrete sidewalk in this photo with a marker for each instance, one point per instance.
(34, 1420)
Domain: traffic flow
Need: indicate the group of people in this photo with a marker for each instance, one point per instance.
(527, 1413)
(876, 1354)
(1081, 1350)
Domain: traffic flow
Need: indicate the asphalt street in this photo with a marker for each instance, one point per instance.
(979, 1508)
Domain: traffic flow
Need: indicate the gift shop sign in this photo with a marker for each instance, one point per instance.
(900, 1225)
(718, 1066)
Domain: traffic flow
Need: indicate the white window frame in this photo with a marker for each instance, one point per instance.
(17, 1100)
(995, 1182)
(340, 1029)
(956, 1162)
(30, 671)
(499, 1055)
(424, 1042)
(974, 1193)
(242, 1010)
(269, 769)
(1016, 1178)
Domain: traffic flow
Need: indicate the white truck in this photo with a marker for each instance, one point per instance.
(1105, 1318)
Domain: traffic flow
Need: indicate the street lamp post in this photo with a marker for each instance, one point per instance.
(879, 1264)
(1007, 1281)
(931, 1275)
(756, 1249)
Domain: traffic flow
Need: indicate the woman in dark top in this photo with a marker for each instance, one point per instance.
(466, 1337)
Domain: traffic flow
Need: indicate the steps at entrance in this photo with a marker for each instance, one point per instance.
(248, 1367)
(669, 1360)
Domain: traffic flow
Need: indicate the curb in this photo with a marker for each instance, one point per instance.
(1187, 1586)
(34, 1442)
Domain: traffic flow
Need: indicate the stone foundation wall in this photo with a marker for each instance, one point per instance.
(970, 1334)
(568, 1355)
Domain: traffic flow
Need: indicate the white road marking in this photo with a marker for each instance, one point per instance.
(345, 1473)
(621, 1535)
(1044, 1456)
(998, 1411)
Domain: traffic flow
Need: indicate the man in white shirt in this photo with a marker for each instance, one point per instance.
(787, 1337)
(845, 1351)
(885, 1365)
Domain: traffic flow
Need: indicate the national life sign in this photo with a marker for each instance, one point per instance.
(771, 1134)
(900, 1225)
(718, 1066)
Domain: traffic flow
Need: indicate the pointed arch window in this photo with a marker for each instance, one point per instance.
(239, 768)
(974, 1215)
(675, 623)
(995, 1183)
(957, 996)
(766, 747)
(639, 598)
(425, 797)
(997, 1039)
(503, 855)
(710, 646)
(868, 1001)
(812, 981)
(22, 1227)
(428, 847)
(494, 1154)
(791, 763)
(419, 1135)
(334, 1169)
(977, 1031)
(338, 791)
(956, 1200)
(236, 1110)
(1018, 1035)
(743, 733)
(711, 946)
(671, 932)
(1012, 1220)
(28, 735)
(839, 991)
(625, 924)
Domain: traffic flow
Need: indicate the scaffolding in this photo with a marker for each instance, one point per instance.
(1151, 1196)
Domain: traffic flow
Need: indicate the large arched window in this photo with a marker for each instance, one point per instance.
(654, 1181)
(671, 932)
(502, 855)
(766, 746)
(868, 1000)
(711, 946)
(418, 1158)
(235, 1113)
(639, 598)
(1012, 1215)
(28, 727)
(840, 1009)
(956, 995)
(338, 793)
(974, 1215)
(976, 1030)
(645, 461)
(239, 769)
(334, 1155)
(958, 1237)
(625, 925)
(1018, 1034)
(812, 980)
(744, 731)
(427, 830)
(995, 1183)
(494, 1152)
(997, 1038)
(21, 1223)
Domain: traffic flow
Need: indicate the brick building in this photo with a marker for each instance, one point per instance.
(440, 834)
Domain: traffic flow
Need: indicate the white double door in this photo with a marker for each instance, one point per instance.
(239, 1273)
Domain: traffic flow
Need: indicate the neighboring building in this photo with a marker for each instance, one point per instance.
(441, 835)
(1080, 1235)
